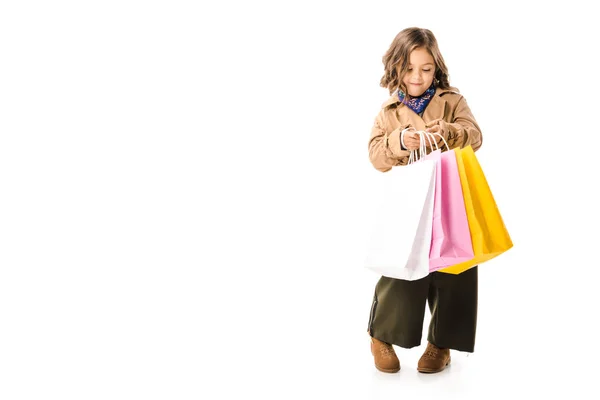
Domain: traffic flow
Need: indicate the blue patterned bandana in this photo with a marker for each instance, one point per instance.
(418, 104)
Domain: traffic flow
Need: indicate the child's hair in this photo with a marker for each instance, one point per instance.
(398, 55)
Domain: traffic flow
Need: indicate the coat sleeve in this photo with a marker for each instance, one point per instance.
(384, 147)
(463, 130)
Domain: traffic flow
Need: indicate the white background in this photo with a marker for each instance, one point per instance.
(185, 195)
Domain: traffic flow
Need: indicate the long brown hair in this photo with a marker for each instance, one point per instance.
(396, 60)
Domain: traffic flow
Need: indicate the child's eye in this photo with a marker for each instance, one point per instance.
(426, 70)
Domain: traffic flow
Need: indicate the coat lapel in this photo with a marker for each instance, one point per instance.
(435, 110)
(408, 116)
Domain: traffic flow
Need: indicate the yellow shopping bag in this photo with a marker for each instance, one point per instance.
(488, 233)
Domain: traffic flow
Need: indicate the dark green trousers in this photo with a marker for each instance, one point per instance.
(398, 310)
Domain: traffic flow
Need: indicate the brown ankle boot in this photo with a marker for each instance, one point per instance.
(434, 359)
(385, 356)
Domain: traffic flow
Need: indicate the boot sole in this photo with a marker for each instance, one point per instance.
(433, 371)
(389, 371)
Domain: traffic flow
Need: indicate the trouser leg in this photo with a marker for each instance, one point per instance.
(453, 305)
(397, 311)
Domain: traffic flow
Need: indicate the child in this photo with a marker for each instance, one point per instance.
(422, 100)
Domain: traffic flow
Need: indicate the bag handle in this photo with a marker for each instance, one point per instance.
(416, 155)
(432, 134)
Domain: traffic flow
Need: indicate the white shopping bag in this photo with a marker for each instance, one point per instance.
(401, 237)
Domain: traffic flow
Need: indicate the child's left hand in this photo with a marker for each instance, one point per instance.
(440, 128)
(435, 129)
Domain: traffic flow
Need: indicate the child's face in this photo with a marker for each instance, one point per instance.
(421, 72)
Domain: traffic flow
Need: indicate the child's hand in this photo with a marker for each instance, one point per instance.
(434, 129)
(412, 140)
(437, 126)
(440, 129)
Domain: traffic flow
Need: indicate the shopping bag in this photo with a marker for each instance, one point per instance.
(451, 238)
(401, 232)
(489, 235)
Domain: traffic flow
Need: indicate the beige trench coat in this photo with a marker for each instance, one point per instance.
(448, 108)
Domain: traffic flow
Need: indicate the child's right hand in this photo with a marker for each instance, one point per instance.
(412, 140)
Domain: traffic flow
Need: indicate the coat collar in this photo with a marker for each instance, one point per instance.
(436, 109)
(436, 98)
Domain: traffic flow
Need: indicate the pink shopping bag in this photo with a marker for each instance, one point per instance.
(451, 238)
